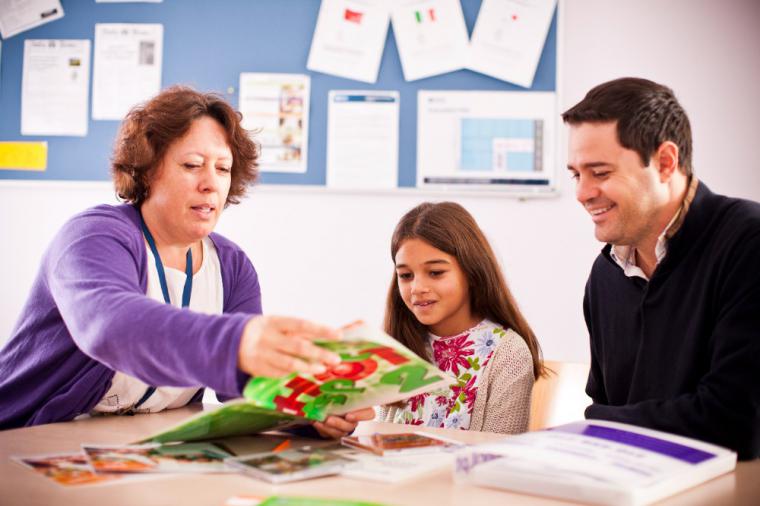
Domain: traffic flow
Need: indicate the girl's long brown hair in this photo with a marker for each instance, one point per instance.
(448, 227)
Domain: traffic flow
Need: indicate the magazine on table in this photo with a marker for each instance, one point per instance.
(375, 369)
(289, 465)
(398, 444)
(596, 462)
(69, 469)
(157, 458)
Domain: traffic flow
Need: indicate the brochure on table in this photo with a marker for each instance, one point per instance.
(595, 461)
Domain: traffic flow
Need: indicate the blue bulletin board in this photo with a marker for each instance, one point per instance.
(207, 44)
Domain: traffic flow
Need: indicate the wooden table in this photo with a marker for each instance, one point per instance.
(21, 486)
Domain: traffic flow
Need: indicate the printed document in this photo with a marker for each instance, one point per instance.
(509, 37)
(54, 87)
(486, 139)
(275, 108)
(127, 69)
(362, 139)
(349, 39)
(17, 16)
(431, 37)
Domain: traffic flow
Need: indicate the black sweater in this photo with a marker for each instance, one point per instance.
(681, 353)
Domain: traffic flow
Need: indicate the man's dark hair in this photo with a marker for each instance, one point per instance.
(647, 114)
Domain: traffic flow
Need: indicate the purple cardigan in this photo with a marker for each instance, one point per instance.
(87, 316)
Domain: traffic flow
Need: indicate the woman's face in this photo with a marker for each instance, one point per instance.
(190, 187)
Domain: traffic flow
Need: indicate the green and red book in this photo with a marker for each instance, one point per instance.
(375, 369)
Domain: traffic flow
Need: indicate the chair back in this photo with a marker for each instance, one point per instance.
(561, 396)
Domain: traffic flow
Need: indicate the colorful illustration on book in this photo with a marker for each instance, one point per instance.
(365, 369)
(234, 418)
(68, 469)
(374, 370)
(465, 356)
(157, 458)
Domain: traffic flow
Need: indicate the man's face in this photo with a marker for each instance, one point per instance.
(624, 198)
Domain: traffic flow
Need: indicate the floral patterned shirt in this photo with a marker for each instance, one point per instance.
(464, 356)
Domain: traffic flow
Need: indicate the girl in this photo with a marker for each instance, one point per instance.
(448, 302)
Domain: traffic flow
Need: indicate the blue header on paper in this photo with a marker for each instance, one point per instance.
(363, 98)
(649, 443)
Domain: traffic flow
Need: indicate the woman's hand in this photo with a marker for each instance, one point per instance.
(277, 345)
(336, 426)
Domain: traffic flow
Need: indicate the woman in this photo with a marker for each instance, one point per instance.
(137, 307)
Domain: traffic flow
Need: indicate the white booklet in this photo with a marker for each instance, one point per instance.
(596, 462)
(349, 39)
(509, 37)
(431, 36)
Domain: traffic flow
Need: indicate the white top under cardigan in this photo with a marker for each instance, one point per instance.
(207, 297)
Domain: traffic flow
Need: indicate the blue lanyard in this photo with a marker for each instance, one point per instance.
(186, 291)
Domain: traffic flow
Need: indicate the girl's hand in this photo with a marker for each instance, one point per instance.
(337, 426)
(277, 345)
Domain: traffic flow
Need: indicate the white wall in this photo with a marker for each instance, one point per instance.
(324, 255)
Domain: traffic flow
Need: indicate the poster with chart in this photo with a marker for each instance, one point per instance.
(486, 140)
(275, 108)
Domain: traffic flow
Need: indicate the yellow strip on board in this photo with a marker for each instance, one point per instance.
(23, 155)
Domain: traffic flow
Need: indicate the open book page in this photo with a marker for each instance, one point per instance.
(375, 369)
(233, 418)
(595, 461)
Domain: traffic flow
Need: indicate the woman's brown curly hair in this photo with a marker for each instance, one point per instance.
(149, 129)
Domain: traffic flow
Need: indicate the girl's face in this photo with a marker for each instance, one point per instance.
(434, 288)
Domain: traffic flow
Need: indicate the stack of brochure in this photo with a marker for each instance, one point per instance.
(596, 462)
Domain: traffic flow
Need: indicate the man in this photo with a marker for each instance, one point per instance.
(672, 304)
